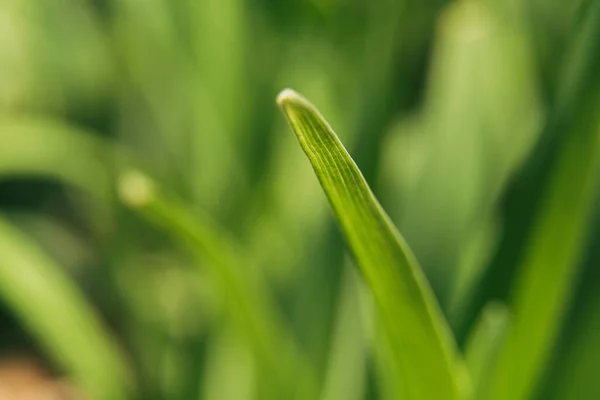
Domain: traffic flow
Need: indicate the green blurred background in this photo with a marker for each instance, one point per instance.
(455, 111)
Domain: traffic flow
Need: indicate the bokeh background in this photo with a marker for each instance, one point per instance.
(455, 111)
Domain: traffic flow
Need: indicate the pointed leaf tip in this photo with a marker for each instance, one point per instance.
(287, 95)
(422, 345)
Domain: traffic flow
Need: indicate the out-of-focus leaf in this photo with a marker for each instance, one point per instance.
(246, 296)
(581, 363)
(576, 359)
(544, 285)
(297, 210)
(347, 362)
(74, 52)
(550, 264)
(449, 163)
(228, 361)
(52, 55)
(68, 249)
(483, 345)
(220, 104)
(57, 314)
(422, 344)
(551, 24)
(474, 256)
(217, 37)
(33, 146)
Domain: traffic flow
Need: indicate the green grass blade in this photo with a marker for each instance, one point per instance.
(37, 146)
(544, 286)
(422, 343)
(244, 293)
(484, 344)
(57, 314)
(345, 377)
(581, 363)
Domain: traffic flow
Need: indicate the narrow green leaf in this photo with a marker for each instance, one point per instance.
(551, 261)
(581, 363)
(245, 294)
(544, 286)
(484, 344)
(57, 314)
(450, 162)
(422, 343)
(36, 146)
(228, 360)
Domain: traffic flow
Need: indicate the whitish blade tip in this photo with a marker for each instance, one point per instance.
(287, 95)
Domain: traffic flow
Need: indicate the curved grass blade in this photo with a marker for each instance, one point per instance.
(422, 344)
(35, 146)
(55, 312)
(244, 293)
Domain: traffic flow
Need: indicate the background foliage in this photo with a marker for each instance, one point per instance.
(218, 272)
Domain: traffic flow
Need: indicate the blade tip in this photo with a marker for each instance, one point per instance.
(135, 189)
(286, 96)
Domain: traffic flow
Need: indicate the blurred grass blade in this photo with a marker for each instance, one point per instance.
(51, 148)
(243, 292)
(543, 288)
(57, 314)
(228, 360)
(480, 119)
(484, 344)
(345, 377)
(544, 285)
(423, 347)
(578, 378)
(476, 253)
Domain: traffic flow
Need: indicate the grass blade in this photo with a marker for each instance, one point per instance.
(484, 344)
(581, 363)
(544, 285)
(348, 357)
(46, 147)
(422, 343)
(245, 295)
(551, 261)
(57, 314)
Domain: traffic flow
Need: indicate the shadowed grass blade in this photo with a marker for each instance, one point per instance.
(423, 347)
(57, 314)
